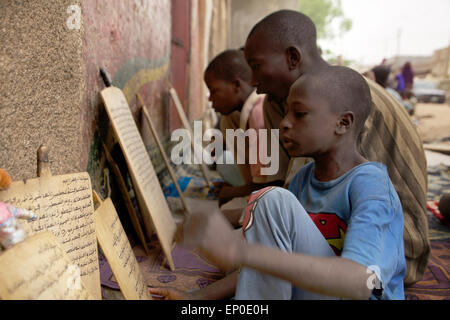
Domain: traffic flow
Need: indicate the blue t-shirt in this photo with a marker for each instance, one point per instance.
(361, 217)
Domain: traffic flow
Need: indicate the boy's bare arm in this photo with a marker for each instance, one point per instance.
(329, 276)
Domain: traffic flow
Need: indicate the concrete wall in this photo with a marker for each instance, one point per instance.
(220, 28)
(50, 85)
(441, 63)
(245, 14)
(41, 87)
(209, 31)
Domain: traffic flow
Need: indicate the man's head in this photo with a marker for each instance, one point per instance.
(279, 49)
(381, 73)
(228, 80)
(326, 110)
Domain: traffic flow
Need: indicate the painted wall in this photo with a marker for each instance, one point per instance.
(50, 55)
(50, 76)
(131, 40)
(179, 56)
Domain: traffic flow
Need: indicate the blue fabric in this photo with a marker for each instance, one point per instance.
(171, 191)
(365, 209)
(400, 82)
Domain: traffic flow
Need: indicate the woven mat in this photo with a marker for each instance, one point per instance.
(192, 271)
(435, 283)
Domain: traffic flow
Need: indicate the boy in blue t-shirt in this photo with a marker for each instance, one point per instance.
(338, 232)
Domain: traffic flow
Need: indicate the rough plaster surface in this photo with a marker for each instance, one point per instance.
(41, 87)
(49, 88)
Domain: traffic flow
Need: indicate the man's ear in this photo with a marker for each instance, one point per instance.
(294, 57)
(345, 123)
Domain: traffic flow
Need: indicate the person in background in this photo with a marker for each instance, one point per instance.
(400, 87)
(408, 76)
(385, 79)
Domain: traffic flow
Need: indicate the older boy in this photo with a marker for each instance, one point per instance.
(338, 231)
(280, 49)
(228, 79)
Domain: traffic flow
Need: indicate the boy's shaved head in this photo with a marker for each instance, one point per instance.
(228, 78)
(342, 88)
(229, 66)
(286, 28)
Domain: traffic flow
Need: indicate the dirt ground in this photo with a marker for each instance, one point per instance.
(433, 122)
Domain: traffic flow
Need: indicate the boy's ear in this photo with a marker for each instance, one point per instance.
(236, 84)
(294, 57)
(345, 122)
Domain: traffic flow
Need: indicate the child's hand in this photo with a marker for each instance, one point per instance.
(169, 294)
(215, 238)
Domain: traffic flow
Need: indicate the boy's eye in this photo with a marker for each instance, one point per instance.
(299, 114)
(254, 66)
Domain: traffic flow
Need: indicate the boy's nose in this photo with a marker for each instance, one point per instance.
(254, 81)
(285, 123)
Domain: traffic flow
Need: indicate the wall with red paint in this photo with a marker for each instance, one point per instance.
(197, 91)
(131, 40)
(51, 89)
(179, 58)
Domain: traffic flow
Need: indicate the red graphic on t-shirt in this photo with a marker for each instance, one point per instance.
(251, 206)
(332, 228)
